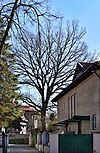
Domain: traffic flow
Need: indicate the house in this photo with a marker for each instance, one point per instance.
(32, 116)
(79, 102)
(27, 122)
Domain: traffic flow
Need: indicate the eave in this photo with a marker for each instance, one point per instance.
(76, 118)
(88, 72)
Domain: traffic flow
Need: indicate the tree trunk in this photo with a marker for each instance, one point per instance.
(8, 26)
(43, 119)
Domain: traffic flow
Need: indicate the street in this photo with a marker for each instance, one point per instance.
(21, 149)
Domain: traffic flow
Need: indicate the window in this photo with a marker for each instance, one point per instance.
(69, 116)
(72, 106)
(94, 122)
(64, 106)
(75, 104)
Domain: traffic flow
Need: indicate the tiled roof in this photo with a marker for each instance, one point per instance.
(80, 68)
(27, 108)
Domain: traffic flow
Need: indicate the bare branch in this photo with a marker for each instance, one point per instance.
(49, 64)
(21, 14)
(29, 101)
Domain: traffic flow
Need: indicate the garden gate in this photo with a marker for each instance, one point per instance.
(75, 143)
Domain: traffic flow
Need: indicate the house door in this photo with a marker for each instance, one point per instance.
(79, 127)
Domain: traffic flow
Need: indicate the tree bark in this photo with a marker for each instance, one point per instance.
(43, 119)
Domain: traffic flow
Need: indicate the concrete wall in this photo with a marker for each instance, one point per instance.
(96, 143)
(86, 127)
(53, 140)
(73, 127)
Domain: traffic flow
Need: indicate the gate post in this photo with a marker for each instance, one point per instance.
(4, 143)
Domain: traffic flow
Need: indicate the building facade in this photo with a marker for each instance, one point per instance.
(32, 117)
(79, 103)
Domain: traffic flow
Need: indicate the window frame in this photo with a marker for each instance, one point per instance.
(72, 111)
(94, 122)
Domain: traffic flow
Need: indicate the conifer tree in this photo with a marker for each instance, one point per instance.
(9, 110)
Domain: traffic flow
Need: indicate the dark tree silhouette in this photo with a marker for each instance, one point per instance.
(47, 60)
(19, 14)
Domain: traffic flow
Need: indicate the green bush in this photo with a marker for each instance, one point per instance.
(33, 140)
(19, 141)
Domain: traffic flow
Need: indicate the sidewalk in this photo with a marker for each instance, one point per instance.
(22, 149)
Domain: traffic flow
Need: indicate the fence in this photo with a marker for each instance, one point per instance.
(42, 141)
(75, 143)
(4, 142)
(72, 143)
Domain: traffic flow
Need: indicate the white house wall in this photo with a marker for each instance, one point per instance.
(87, 101)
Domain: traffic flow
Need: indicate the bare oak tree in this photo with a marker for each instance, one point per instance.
(19, 14)
(47, 60)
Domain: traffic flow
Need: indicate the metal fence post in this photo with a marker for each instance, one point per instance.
(4, 142)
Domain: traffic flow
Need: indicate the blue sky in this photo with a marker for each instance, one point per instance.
(88, 14)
